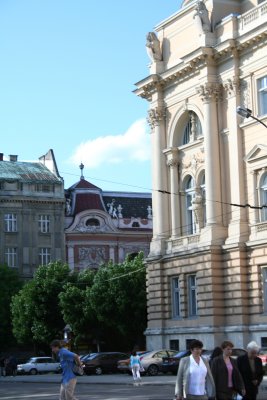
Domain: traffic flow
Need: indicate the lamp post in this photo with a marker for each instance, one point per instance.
(246, 113)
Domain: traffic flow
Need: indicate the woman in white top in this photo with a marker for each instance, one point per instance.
(194, 379)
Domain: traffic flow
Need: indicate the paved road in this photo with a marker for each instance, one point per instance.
(108, 387)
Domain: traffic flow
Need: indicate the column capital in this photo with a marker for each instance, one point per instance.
(232, 86)
(155, 116)
(209, 92)
(171, 156)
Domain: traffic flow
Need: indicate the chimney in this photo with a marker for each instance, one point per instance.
(1, 156)
(13, 157)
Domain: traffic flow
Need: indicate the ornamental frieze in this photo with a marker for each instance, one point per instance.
(194, 161)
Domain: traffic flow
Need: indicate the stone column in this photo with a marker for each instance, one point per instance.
(70, 252)
(209, 94)
(172, 162)
(156, 119)
(112, 253)
(238, 226)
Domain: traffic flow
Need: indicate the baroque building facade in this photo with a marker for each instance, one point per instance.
(207, 266)
(103, 226)
(31, 213)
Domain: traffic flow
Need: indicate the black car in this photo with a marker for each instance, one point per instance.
(98, 363)
(171, 364)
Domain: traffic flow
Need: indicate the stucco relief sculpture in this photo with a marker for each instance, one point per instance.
(201, 17)
(153, 47)
(91, 256)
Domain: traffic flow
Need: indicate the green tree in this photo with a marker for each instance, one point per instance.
(76, 312)
(36, 310)
(10, 284)
(118, 297)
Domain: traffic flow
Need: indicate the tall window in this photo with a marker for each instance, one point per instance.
(193, 129)
(263, 197)
(192, 295)
(189, 195)
(264, 287)
(44, 256)
(11, 256)
(176, 312)
(10, 223)
(262, 95)
(44, 223)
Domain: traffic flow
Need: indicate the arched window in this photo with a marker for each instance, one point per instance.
(263, 197)
(189, 195)
(193, 129)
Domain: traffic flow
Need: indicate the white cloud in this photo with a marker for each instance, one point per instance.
(133, 145)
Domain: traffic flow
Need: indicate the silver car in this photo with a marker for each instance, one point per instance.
(37, 365)
(152, 361)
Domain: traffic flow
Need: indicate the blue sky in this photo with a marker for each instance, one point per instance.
(67, 70)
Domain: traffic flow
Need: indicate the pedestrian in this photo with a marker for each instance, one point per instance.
(13, 363)
(217, 351)
(226, 375)
(136, 366)
(250, 367)
(194, 379)
(67, 361)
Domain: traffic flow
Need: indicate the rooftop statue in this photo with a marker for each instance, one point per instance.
(202, 17)
(153, 47)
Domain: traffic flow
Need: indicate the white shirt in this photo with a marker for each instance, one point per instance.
(197, 377)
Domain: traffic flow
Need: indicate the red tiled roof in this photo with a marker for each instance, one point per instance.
(83, 184)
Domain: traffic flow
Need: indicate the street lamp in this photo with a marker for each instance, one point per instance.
(246, 113)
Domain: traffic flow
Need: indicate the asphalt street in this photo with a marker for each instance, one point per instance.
(92, 387)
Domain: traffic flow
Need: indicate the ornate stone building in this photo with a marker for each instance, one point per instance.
(207, 266)
(102, 226)
(31, 213)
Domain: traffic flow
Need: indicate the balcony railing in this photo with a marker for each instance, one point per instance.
(254, 17)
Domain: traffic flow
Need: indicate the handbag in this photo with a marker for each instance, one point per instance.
(77, 370)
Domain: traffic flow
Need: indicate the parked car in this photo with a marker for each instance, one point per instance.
(152, 361)
(236, 352)
(171, 364)
(124, 365)
(98, 363)
(37, 365)
(263, 355)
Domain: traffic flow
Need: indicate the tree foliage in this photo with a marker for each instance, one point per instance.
(107, 305)
(10, 284)
(73, 305)
(118, 297)
(35, 309)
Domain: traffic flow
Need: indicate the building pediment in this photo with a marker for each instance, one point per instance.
(257, 153)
